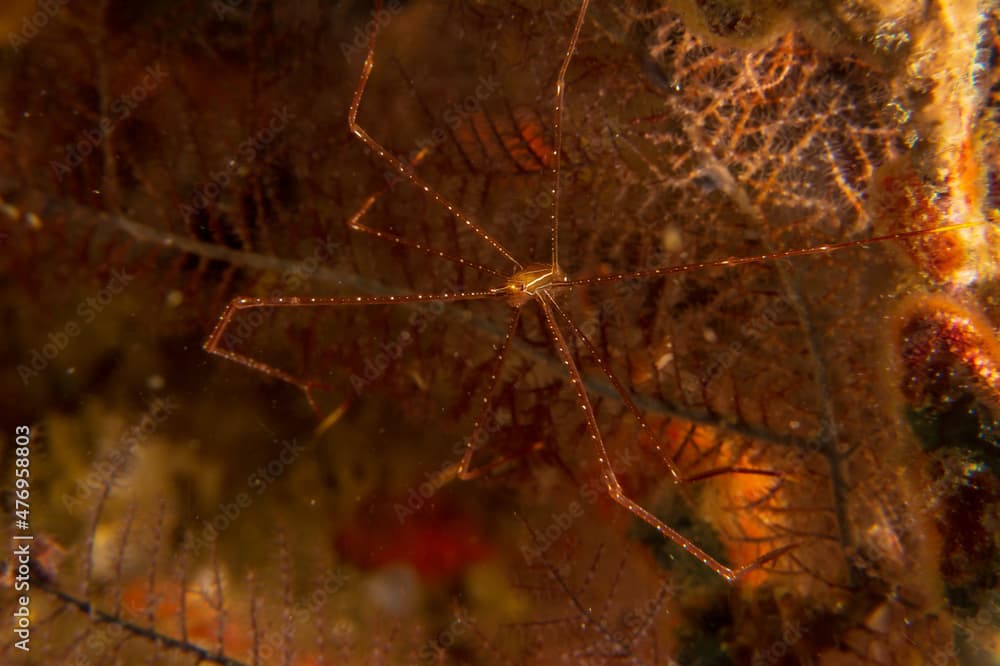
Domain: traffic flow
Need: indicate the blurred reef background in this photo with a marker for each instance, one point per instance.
(159, 158)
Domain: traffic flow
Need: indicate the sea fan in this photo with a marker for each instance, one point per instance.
(186, 508)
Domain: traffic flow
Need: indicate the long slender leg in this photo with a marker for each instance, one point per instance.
(464, 468)
(354, 223)
(771, 256)
(213, 344)
(557, 128)
(401, 167)
(611, 480)
(630, 404)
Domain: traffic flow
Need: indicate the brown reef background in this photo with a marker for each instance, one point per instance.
(159, 158)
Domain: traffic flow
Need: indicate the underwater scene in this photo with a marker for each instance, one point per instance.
(500, 332)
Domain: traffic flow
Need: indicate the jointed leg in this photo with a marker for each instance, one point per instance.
(213, 344)
(354, 223)
(401, 167)
(626, 398)
(557, 128)
(611, 480)
(464, 471)
(827, 248)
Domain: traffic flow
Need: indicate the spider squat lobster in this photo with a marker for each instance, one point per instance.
(525, 284)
